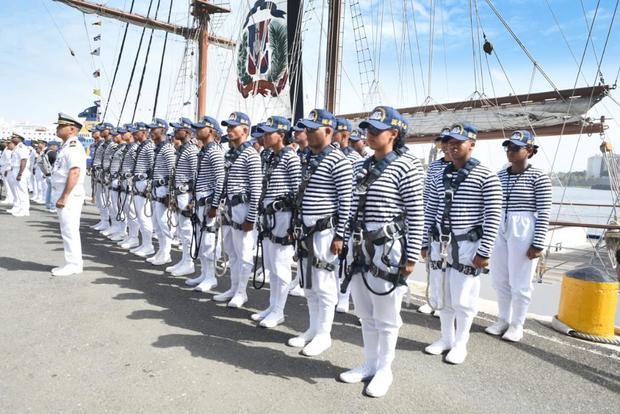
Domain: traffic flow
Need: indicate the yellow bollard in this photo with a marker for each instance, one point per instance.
(588, 302)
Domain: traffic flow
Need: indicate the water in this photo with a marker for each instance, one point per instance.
(579, 214)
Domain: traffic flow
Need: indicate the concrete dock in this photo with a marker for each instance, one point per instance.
(124, 337)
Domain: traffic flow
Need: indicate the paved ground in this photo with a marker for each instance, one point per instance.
(124, 337)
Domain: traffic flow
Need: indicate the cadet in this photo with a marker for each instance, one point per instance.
(101, 132)
(358, 143)
(5, 171)
(321, 212)
(386, 236)
(208, 191)
(463, 212)
(184, 174)
(523, 229)
(341, 137)
(68, 193)
(434, 168)
(242, 189)
(280, 183)
(164, 159)
(112, 171)
(128, 161)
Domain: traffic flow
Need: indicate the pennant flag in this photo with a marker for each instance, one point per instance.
(97, 92)
(97, 73)
(89, 113)
(96, 52)
(97, 38)
(72, 52)
(97, 23)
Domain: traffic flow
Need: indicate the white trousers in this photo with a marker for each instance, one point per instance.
(39, 185)
(10, 182)
(142, 209)
(21, 191)
(114, 208)
(323, 295)
(240, 246)
(206, 253)
(129, 210)
(101, 202)
(511, 270)
(160, 217)
(69, 217)
(458, 294)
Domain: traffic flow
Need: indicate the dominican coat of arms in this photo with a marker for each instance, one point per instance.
(262, 61)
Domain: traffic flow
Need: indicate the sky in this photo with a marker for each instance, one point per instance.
(39, 77)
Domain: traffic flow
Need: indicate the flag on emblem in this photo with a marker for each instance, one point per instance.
(97, 92)
(97, 23)
(89, 113)
(97, 73)
(96, 52)
(97, 38)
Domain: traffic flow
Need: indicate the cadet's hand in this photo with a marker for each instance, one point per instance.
(337, 246)
(60, 203)
(533, 253)
(480, 262)
(424, 252)
(247, 226)
(406, 271)
(19, 177)
(212, 212)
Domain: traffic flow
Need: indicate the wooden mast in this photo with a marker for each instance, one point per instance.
(333, 54)
(201, 9)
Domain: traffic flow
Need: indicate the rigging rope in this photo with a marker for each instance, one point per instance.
(161, 64)
(521, 45)
(118, 62)
(133, 69)
(146, 61)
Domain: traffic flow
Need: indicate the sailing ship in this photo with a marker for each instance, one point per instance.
(264, 60)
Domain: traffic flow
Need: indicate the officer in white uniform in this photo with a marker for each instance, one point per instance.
(5, 171)
(68, 192)
(20, 160)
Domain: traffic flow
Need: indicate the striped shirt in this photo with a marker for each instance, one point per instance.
(117, 157)
(329, 189)
(244, 176)
(397, 192)
(477, 202)
(163, 160)
(144, 157)
(352, 155)
(99, 151)
(185, 165)
(210, 175)
(107, 155)
(129, 158)
(529, 191)
(285, 177)
(434, 168)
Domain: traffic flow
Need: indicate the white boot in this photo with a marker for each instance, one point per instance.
(227, 295)
(514, 333)
(163, 255)
(301, 340)
(458, 353)
(382, 380)
(322, 341)
(241, 296)
(210, 281)
(369, 367)
(197, 280)
(187, 263)
(447, 336)
(343, 302)
(498, 328)
(130, 243)
(276, 317)
(171, 269)
(259, 316)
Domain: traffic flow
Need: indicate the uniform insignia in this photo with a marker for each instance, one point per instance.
(73, 144)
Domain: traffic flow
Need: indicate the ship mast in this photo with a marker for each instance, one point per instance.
(333, 53)
(201, 9)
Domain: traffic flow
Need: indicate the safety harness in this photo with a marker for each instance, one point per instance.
(302, 234)
(444, 234)
(363, 239)
(201, 202)
(239, 198)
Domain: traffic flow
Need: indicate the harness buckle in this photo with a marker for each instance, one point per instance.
(298, 232)
(358, 237)
(444, 242)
